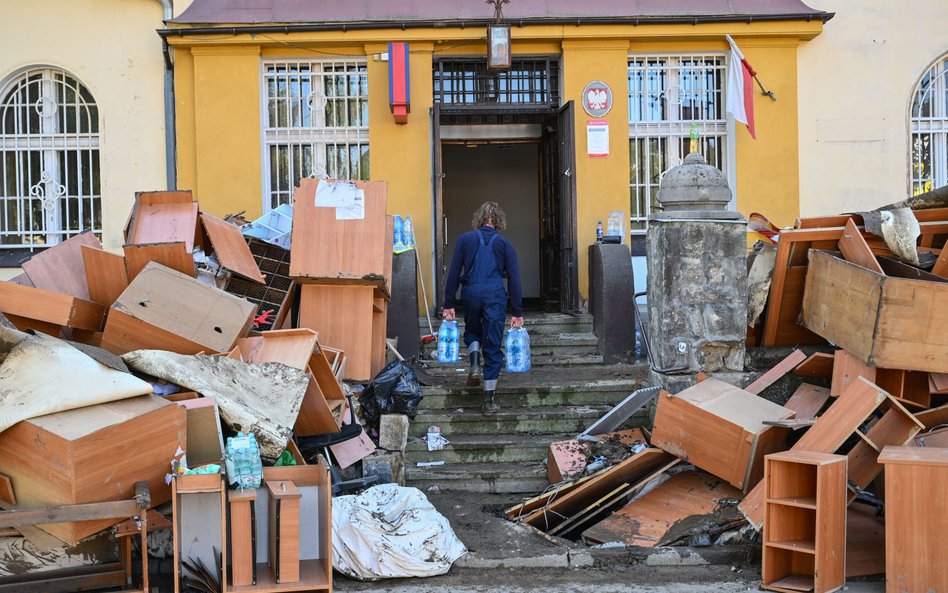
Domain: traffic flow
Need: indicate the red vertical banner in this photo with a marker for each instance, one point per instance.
(399, 84)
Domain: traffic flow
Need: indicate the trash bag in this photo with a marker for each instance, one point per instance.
(395, 390)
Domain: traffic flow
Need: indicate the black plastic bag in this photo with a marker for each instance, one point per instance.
(395, 390)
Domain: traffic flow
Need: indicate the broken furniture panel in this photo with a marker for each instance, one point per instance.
(892, 323)
(199, 510)
(776, 372)
(808, 400)
(804, 545)
(719, 428)
(566, 460)
(910, 388)
(846, 369)
(818, 365)
(916, 519)
(93, 454)
(163, 217)
(106, 275)
(170, 255)
(854, 248)
(933, 417)
(231, 248)
(18, 301)
(344, 317)
(61, 268)
(166, 310)
(205, 439)
(243, 539)
(284, 534)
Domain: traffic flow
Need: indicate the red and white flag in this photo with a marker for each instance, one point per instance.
(740, 88)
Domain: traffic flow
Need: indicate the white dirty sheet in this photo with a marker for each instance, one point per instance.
(390, 531)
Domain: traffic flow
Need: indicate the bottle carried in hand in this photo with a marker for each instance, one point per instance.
(518, 350)
(448, 342)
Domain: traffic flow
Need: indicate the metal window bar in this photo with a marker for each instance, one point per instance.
(667, 95)
(467, 83)
(317, 123)
(49, 141)
(929, 127)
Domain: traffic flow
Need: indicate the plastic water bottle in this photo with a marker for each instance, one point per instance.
(408, 233)
(398, 236)
(518, 350)
(599, 232)
(448, 351)
(244, 468)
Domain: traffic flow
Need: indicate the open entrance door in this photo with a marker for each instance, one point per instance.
(558, 213)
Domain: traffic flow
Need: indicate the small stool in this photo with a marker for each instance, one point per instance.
(243, 537)
(284, 526)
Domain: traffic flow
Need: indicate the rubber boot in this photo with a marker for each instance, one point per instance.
(474, 376)
(490, 407)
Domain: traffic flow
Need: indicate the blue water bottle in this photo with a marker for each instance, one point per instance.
(447, 342)
(398, 240)
(518, 351)
(408, 233)
(599, 232)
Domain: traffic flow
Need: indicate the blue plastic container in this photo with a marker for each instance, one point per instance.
(448, 346)
(518, 350)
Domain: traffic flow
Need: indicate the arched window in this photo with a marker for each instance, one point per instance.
(929, 149)
(50, 184)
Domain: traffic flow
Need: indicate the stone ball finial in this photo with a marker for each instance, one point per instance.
(694, 185)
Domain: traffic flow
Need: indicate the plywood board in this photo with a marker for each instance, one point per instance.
(566, 460)
(182, 306)
(171, 255)
(49, 307)
(292, 347)
(60, 268)
(818, 364)
(855, 249)
(163, 217)
(774, 374)
(205, 439)
(231, 248)
(933, 417)
(106, 275)
(7, 495)
(939, 381)
(643, 522)
(846, 369)
(808, 400)
(343, 317)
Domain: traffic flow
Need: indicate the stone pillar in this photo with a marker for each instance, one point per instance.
(697, 277)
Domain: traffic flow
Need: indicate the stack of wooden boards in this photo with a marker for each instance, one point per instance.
(343, 263)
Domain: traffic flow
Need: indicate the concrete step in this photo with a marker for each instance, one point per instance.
(485, 448)
(546, 323)
(601, 392)
(551, 344)
(471, 421)
(518, 477)
(536, 360)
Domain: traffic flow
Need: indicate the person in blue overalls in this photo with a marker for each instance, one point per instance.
(486, 259)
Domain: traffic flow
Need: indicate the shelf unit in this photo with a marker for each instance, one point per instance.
(805, 526)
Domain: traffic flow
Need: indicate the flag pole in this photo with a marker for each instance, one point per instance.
(753, 72)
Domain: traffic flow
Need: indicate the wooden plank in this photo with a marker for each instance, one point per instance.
(818, 365)
(775, 296)
(7, 494)
(241, 536)
(776, 372)
(855, 249)
(933, 417)
(808, 400)
(846, 369)
(171, 255)
(292, 347)
(60, 268)
(941, 264)
(896, 427)
(343, 317)
(49, 307)
(524, 509)
(231, 248)
(25, 324)
(939, 381)
(69, 513)
(315, 416)
(895, 268)
(163, 217)
(106, 275)
(321, 368)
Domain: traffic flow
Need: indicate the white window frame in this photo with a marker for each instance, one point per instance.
(929, 126)
(301, 125)
(53, 180)
(672, 127)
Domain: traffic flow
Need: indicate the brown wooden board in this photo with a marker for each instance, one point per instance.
(939, 381)
(646, 520)
(328, 250)
(231, 248)
(93, 454)
(818, 364)
(896, 427)
(887, 322)
(166, 310)
(941, 264)
(855, 249)
(524, 509)
(933, 417)
(163, 217)
(719, 428)
(7, 494)
(865, 542)
(60, 268)
(106, 275)
(808, 400)
(846, 369)
(909, 387)
(292, 347)
(779, 370)
(205, 439)
(343, 316)
(171, 255)
(49, 307)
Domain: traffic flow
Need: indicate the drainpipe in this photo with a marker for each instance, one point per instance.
(171, 173)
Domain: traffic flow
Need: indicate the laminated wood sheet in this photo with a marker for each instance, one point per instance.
(93, 454)
(647, 521)
(719, 428)
(171, 255)
(205, 440)
(933, 417)
(163, 217)
(808, 400)
(61, 268)
(343, 316)
(166, 310)
(329, 250)
(846, 369)
(231, 248)
(855, 249)
(817, 365)
(106, 275)
(774, 374)
(49, 307)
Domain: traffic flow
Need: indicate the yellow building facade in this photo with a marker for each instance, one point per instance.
(237, 154)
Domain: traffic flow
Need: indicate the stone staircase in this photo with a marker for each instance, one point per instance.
(567, 388)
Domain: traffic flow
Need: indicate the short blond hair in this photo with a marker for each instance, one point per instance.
(489, 212)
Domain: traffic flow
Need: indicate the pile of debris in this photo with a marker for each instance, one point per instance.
(722, 462)
(123, 379)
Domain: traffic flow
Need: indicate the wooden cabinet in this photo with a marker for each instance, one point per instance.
(916, 519)
(805, 527)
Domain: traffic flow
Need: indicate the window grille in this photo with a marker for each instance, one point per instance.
(667, 95)
(929, 149)
(49, 139)
(316, 123)
(467, 84)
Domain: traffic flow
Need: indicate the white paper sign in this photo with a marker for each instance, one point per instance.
(597, 138)
(354, 212)
(335, 194)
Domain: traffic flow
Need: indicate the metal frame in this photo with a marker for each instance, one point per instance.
(302, 125)
(466, 85)
(49, 142)
(667, 94)
(928, 117)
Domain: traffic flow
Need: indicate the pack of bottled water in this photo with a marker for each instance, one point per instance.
(449, 342)
(242, 459)
(518, 350)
